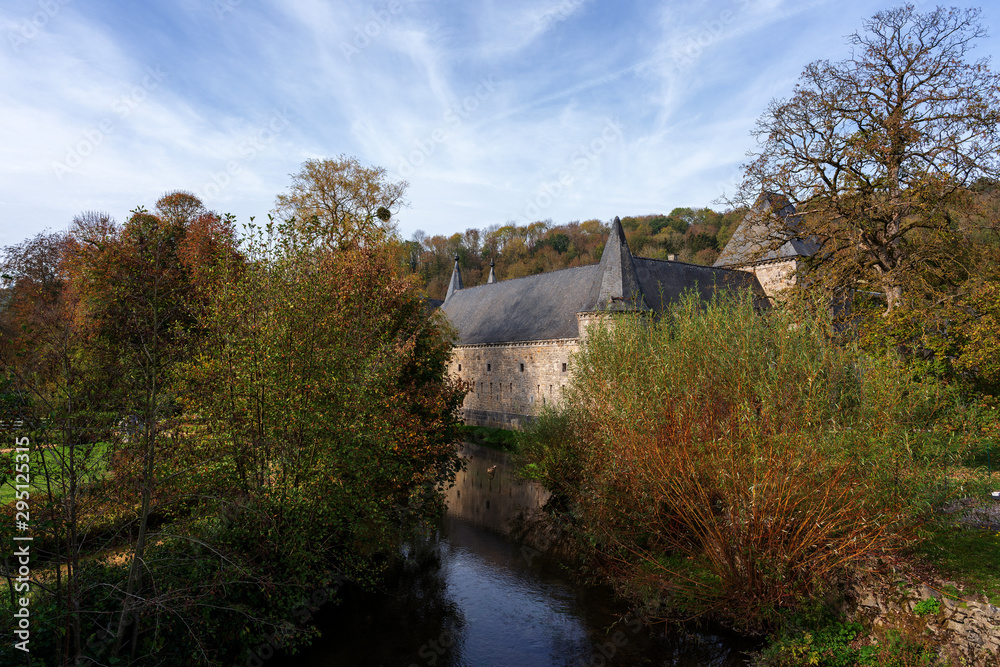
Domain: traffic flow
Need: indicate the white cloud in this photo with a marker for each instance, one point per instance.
(396, 82)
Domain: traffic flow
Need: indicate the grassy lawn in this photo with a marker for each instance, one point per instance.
(49, 458)
(967, 555)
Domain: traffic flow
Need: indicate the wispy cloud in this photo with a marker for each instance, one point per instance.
(480, 106)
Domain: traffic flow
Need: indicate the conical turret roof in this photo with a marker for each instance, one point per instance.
(456, 280)
(620, 289)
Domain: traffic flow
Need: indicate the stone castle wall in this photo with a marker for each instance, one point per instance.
(774, 277)
(510, 382)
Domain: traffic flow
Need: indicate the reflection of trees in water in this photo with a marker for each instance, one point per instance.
(406, 620)
(413, 617)
(674, 648)
(681, 649)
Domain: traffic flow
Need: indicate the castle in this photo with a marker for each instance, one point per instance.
(516, 338)
(766, 244)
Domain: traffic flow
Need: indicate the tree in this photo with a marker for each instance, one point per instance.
(139, 288)
(878, 151)
(321, 388)
(732, 464)
(340, 202)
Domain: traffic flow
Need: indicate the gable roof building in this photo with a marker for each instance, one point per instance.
(767, 243)
(517, 337)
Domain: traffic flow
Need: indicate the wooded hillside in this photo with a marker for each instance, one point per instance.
(693, 235)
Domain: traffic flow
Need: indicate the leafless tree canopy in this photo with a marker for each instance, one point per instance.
(878, 151)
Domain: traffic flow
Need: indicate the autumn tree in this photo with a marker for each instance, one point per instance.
(53, 396)
(320, 389)
(138, 288)
(878, 151)
(340, 202)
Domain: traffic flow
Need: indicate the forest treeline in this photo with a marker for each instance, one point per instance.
(694, 235)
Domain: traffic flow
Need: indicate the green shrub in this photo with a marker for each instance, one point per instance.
(927, 606)
(761, 447)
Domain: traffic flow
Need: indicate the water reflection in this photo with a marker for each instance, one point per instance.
(468, 596)
(488, 492)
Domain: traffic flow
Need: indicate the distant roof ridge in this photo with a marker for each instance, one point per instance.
(677, 261)
(531, 275)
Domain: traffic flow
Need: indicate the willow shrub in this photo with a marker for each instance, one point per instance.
(737, 462)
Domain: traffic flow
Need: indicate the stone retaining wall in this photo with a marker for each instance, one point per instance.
(970, 626)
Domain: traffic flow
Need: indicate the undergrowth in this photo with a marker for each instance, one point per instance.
(762, 449)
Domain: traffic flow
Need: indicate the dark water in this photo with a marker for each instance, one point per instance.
(469, 596)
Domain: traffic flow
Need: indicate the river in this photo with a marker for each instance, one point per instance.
(468, 595)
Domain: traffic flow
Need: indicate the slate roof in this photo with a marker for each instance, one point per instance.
(536, 307)
(544, 306)
(663, 282)
(755, 242)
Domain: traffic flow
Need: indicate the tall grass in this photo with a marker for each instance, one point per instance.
(736, 462)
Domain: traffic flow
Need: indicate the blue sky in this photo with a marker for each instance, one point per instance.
(493, 111)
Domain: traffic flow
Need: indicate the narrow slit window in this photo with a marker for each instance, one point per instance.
(522, 368)
(488, 368)
(564, 368)
(460, 367)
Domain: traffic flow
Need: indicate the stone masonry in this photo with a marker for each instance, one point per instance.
(509, 382)
(517, 337)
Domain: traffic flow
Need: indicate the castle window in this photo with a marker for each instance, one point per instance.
(564, 368)
(488, 368)
(460, 367)
(522, 368)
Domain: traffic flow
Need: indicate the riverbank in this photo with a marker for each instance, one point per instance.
(473, 592)
(909, 610)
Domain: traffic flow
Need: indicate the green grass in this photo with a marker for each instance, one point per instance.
(48, 458)
(494, 438)
(968, 555)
